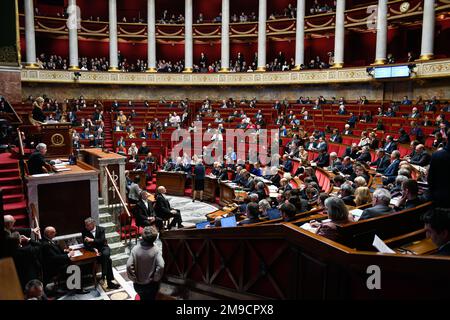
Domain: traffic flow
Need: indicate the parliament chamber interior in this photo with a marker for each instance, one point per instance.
(224, 149)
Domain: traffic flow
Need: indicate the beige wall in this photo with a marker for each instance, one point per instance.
(374, 91)
(10, 84)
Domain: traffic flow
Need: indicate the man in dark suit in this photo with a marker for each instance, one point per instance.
(380, 201)
(347, 131)
(286, 164)
(382, 161)
(37, 163)
(439, 176)
(145, 214)
(392, 170)
(421, 157)
(365, 155)
(390, 145)
(164, 211)
(94, 239)
(336, 137)
(323, 159)
(54, 259)
(437, 227)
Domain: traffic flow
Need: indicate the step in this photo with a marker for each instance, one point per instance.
(7, 181)
(9, 165)
(15, 207)
(13, 189)
(119, 259)
(116, 248)
(21, 219)
(105, 218)
(109, 226)
(112, 237)
(11, 198)
(101, 201)
(102, 208)
(9, 172)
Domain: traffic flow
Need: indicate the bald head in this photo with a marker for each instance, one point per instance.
(50, 232)
(161, 189)
(9, 221)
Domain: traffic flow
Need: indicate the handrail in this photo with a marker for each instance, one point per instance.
(19, 133)
(116, 189)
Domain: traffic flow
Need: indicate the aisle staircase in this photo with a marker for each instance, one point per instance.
(14, 202)
(108, 132)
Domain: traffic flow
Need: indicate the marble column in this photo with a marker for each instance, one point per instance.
(73, 34)
(300, 35)
(29, 35)
(151, 41)
(339, 35)
(426, 51)
(262, 35)
(380, 54)
(225, 42)
(188, 38)
(113, 54)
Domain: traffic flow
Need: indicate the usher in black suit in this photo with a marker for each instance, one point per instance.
(163, 211)
(102, 246)
(142, 212)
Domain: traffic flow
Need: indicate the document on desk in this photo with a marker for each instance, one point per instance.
(381, 246)
(77, 253)
(62, 169)
(76, 246)
(41, 175)
(356, 213)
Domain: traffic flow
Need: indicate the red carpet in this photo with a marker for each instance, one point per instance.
(14, 202)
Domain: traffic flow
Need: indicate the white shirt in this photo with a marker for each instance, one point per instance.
(93, 232)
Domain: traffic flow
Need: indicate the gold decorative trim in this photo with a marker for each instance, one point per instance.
(337, 66)
(187, 70)
(261, 69)
(113, 69)
(379, 62)
(151, 70)
(73, 68)
(32, 66)
(224, 70)
(297, 67)
(424, 69)
(425, 57)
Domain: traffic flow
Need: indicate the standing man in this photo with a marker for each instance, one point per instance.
(165, 211)
(94, 239)
(439, 176)
(145, 266)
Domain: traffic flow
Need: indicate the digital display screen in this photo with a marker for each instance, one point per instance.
(391, 72)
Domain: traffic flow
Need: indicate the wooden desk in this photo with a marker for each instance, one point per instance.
(421, 247)
(63, 200)
(174, 182)
(211, 187)
(226, 193)
(116, 166)
(88, 257)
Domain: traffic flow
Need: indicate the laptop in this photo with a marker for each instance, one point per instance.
(273, 213)
(228, 222)
(202, 225)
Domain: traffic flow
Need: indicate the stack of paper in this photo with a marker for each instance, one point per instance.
(356, 213)
(77, 253)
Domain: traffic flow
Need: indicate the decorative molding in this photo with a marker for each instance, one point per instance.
(425, 69)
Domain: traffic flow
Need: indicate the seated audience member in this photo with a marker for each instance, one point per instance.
(346, 195)
(380, 205)
(359, 181)
(338, 214)
(392, 170)
(34, 290)
(323, 159)
(252, 214)
(410, 195)
(390, 145)
(404, 137)
(54, 259)
(397, 190)
(164, 210)
(362, 196)
(437, 227)
(144, 213)
(94, 239)
(382, 161)
(365, 155)
(145, 265)
(417, 132)
(288, 212)
(143, 149)
(286, 165)
(284, 185)
(421, 158)
(347, 130)
(37, 163)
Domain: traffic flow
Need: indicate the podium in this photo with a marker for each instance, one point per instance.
(58, 138)
(174, 182)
